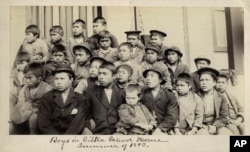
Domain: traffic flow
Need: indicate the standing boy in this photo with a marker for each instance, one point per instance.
(157, 37)
(124, 73)
(62, 111)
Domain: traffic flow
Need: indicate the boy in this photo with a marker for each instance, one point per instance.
(106, 51)
(135, 118)
(99, 24)
(104, 102)
(124, 53)
(58, 57)
(82, 55)
(56, 35)
(30, 96)
(190, 107)
(85, 85)
(173, 61)
(123, 75)
(33, 45)
(161, 103)
(62, 111)
(151, 61)
(201, 61)
(133, 37)
(157, 37)
(236, 111)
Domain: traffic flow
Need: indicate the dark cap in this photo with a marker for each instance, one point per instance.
(175, 49)
(208, 70)
(85, 46)
(156, 70)
(64, 68)
(158, 32)
(97, 58)
(137, 33)
(153, 46)
(202, 57)
(126, 66)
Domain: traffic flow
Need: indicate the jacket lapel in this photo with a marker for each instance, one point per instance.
(100, 94)
(69, 99)
(232, 101)
(217, 103)
(58, 99)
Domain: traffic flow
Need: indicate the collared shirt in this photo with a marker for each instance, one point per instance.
(111, 54)
(108, 93)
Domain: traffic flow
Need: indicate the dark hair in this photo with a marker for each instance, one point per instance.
(100, 19)
(129, 45)
(57, 29)
(80, 21)
(35, 67)
(212, 75)
(23, 56)
(222, 76)
(110, 66)
(33, 29)
(59, 48)
(133, 87)
(104, 34)
(184, 77)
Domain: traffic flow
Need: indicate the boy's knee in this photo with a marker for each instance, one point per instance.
(224, 131)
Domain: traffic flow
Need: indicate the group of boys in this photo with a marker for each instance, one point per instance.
(96, 86)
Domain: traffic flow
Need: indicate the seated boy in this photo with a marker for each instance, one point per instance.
(82, 55)
(190, 107)
(62, 111)
(135, 118)
(29, 97)
(106, 51)
(160, 102)
(33, 45)
(58, 57)
(236, 111)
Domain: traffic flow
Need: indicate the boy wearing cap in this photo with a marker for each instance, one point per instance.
(157, 37)
(62, 111)
(151, 61)
(236, 111)
(123, 75)
(106, 51)
(82, 55)
(29, 98)
(124, 52)
(215, 105)
(161, 103)
(133, 37)
(56, 35)
(99, 24)
(104, 102)
(173, 61)
(200, 62)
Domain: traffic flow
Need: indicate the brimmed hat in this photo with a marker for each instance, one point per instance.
(97, 58)
(154, 70)
(85, 46)
(133, 33)
(209, 70)
(158, 32)
(202, 57)
(175, 49)
(126, 66)
(64, 68)
(153, 46)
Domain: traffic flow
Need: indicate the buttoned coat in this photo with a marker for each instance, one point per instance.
(238, 109)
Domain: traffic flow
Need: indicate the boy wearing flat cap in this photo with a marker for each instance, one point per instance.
(157, 37)
(62, 111)
(133, 37)
(200, 61)
(215, 105)
(160, 102)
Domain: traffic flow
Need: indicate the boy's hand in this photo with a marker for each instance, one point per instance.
(87, 131)
(212, 129)
(149, 127)
(192, 132)
(177, 131)
(157, 132)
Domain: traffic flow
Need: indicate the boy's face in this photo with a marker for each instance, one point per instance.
(156, 39)
(173, 57)
(201, 64)
(37, 58)
(122, 75)
(105, 77)
(31, 80)
(77, 29)
(105, 43)
(30, 37)
(132, 98)
(182, 87)
(94, 68)
(21, 65)
(98, 27)
(152, 79)
(207, 82)
(132, 39)
(124, 53)
(58, 57)
(81, 56)
(151, 56)
(62, 81)
(55, 37)
(221, 85)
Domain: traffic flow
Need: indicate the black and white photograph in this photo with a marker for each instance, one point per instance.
(126, 77)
